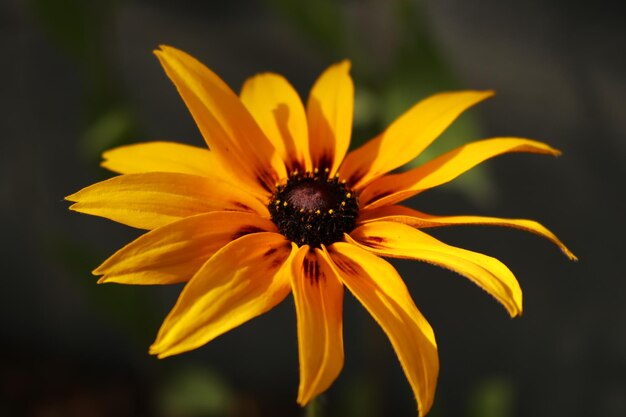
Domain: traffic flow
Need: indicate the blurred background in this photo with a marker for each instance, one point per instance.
(79, 77)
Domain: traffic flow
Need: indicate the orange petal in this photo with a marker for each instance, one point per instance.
(279, 112)
(227, 127)
(377, 285)
(414, 218)
(154, 199)
(330, 110)
(401, 241)
(175, 252)
(391, 189)
(407, 136)
(318, 296)
(243, 280)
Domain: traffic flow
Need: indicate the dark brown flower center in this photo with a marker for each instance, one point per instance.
(313, 209)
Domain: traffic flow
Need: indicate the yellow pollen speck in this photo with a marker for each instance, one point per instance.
(285, 204)
(326, 170)
(343, 204)
(318, 212)
(316, 170)
(348, 195)
(301, 210)
(331, 211)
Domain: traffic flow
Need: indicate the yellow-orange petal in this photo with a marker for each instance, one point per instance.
(228, 128)
(391, 189)
(401, 241)
(243, 280)
(175, 252)
(377, 285)
(330, 110)
(154, 199)
(318, 297)
(414, 218)
(279, 112)
(173, 157)
(407, 136)
(160, 157)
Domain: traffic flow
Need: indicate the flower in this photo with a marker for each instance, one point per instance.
(278, 205)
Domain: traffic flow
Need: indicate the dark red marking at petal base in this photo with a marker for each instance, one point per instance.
(326, 161)
(346, 265)
(355, 177)
(311, 270)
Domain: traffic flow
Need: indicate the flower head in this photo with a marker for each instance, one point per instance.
(277, 205)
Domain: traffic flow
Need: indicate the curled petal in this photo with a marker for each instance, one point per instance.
(243, 280)
(175, 252)
(318, 295)
(391, 189)
(227, 127)
(414, 218)
(377, 285)
(154, 199)
(330, 111)
(407, 136)
(401, 241)
(279, 112)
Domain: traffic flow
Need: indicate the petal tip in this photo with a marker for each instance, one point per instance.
(162, 48)
(71, 198)
(342, 67)
(570, 255)
(105, 163)
(156, 351)
(482, 95)
(74, 207)
(303, 400)
(516, 310)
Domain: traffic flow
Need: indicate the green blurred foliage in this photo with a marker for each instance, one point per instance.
(362, 397)
(321, 21)
(493, 397)
(193, 392)
(83, 30)
(109, 129)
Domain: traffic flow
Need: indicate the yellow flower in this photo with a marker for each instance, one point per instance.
(278, 205)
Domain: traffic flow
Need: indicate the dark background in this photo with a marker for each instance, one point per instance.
(79, 77)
